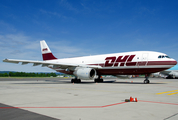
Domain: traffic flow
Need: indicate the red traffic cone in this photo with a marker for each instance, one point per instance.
(131, 99)
(135, 99)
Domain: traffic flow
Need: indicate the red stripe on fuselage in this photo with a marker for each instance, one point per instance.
(162, 63)
(141, 63)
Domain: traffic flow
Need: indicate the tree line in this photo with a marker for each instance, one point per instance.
(23, 74)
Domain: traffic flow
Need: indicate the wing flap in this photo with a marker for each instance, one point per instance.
(24, 63)
(45, 65)
(36, 64)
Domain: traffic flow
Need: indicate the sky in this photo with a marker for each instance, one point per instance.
(85, 27)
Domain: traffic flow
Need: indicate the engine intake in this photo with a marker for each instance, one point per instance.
(85, 73)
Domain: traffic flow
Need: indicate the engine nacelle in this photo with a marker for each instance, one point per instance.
(85, 73)
(175, 75)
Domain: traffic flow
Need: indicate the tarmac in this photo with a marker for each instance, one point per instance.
(59, 99)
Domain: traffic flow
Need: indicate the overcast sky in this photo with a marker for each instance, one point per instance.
(85, 27)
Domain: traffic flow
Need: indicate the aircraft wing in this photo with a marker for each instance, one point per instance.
(47, 63)
(170, 73)
(166, 72)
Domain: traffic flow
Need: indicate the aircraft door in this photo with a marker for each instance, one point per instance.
(143, 60)
(145, 57)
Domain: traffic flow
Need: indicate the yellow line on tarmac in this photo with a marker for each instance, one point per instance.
(173, 93)
(166, 92)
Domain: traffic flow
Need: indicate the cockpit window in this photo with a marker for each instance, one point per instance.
(159, 56)
(163, 56)
(167, 56)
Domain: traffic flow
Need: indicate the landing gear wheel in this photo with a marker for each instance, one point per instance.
(75, 81)
(146, 81)
(98, 80)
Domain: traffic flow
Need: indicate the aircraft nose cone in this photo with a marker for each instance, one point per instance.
(174, 62)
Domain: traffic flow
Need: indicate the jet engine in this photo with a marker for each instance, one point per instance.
(175, 75)
(172, 75)
(85, 73)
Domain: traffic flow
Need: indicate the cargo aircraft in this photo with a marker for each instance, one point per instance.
(92, 67)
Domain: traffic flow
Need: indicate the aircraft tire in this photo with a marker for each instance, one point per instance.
(75, 81)
(146, 81)
(98, 80)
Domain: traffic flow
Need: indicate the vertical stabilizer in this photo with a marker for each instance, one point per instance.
(46, 52)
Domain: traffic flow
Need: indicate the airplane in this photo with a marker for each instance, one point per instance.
(170, 73)
(92, 67)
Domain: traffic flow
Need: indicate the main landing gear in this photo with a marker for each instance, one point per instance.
(146, 81)
(99, 79)
(76, 80)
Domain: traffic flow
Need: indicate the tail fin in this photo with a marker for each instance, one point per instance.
(46, 52)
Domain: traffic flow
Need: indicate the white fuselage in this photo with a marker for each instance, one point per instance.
(127, 63)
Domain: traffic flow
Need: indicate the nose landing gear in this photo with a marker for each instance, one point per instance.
(146, 81)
